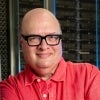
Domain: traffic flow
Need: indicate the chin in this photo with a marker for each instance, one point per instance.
(44, 64)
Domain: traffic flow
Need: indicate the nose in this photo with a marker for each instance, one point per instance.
(43, 44)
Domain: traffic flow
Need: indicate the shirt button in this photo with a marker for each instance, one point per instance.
(45, 95)
(38, 80)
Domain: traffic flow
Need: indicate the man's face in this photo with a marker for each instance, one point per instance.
(43, 58)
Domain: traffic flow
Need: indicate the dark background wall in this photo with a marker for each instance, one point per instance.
(4, 38)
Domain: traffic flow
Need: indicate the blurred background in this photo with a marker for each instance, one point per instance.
(80, 22)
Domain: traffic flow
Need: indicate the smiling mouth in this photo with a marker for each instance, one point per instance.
(44, 56)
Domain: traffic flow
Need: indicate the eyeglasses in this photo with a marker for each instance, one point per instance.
(36, 40)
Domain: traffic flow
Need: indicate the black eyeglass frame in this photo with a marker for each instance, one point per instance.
(25, 37)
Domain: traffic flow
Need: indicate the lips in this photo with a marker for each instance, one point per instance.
(43, 55)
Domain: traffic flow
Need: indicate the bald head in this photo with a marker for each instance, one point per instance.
(38, 16)
(37, 13)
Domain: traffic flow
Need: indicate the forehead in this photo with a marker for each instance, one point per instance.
(43, 28)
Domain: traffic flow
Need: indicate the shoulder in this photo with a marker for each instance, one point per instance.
(10, 87)
(80, 66)
(12, 81)
(82, 69)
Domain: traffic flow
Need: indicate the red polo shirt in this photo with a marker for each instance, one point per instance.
(71, 81)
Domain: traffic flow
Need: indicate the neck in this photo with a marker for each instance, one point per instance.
(46, 77)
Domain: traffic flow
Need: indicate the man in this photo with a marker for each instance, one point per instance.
(47, 76)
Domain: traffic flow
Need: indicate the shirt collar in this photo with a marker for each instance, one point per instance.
(59, 75)
(29, 75)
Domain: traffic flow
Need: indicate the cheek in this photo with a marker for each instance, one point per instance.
(58, 50)
(27, 51)
(29, 54)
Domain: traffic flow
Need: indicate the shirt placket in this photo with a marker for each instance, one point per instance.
(41, 89)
